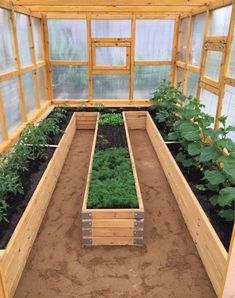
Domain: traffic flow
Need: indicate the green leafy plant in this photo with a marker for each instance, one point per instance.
(112, 183)
(202, 147)
(30, 146)
(112, 119)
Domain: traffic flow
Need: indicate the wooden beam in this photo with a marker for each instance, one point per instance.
(89, 56)
(121, 9)
(174, 51)
(114, 2)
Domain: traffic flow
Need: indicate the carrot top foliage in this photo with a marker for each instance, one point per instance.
(112, 183)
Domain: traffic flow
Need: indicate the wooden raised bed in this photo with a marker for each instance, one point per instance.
(210, 248)
(13, 258)
(112, 226)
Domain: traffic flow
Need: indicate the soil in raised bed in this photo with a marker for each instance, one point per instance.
(30, 180)
(111, 136)
(167, 265)
(223, 228)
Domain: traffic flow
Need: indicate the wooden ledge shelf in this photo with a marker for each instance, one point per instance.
(112, 226)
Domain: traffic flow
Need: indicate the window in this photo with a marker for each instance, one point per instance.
(220, 20)
(229, 108)
(197, 39)
(210, 101)
(111, 86)
(111, 56)
(111, 28)
(213, 64)
(148, 78)
(11, 103)
(29, 92)
(37, 36)
(22, 29)
(7, 60)
(68, 39)
(70, 82)
(154, 39)
(183, 40)
(193, 78)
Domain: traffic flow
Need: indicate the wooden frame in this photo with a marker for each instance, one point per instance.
(111, 226)
(18, 72)
(13, 258)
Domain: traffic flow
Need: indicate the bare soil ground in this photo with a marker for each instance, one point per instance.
(166, 266)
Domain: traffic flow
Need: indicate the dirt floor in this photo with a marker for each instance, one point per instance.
(167, 266)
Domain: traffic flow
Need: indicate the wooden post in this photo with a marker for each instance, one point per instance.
(89, 57)
(174, 52)
(224, 67)
(33, 55)
(204, 53)
(47, 59)
(132, 58)
(189, 47)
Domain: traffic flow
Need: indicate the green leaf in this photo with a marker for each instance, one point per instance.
(201, 187)
(214, 177)
(228, 144)
(180, 157)
(229, 169)
(226, 196)
(194, 148)
(172, 136)
(214, 200)
(228, 214)
(189, 131)
(208, 153)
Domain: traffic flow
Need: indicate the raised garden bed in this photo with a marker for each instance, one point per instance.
(209, 246)
(112, 225)
(14, 255)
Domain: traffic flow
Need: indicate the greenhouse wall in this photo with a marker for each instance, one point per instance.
(55, 58)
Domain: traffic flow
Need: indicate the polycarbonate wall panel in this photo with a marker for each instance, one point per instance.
(67, 39)
(199, 22)
(11, 103)
(7, 60)
(148, 79)
(220, 20)
(154, 39)
(193, 78)
(229, 108)
(232, 60)
(111, 86)
(210, 101)
(29, 92)
(70, 82)
(180, 75)
(183, 40)
(37, 37)
(22, 29)
(42, 84)
(111, 28)
(111, 56)
(213, 64)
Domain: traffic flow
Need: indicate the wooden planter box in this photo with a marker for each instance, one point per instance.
(112, 226)
(210, 248)
(13, 258)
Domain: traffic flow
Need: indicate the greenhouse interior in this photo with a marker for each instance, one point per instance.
(117, 148)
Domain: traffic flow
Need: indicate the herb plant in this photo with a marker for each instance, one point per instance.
(112, 119)
(112, 183)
